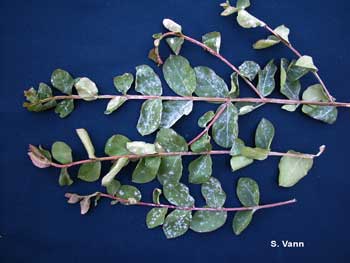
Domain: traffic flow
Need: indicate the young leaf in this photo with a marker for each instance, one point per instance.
(292, 169)
(147, 81)
(246, 20)
(272, 40)
(115, 169)
(129, 192)
(234, 92)
(114, 104)
(178, 194)
(85, 139)
(150, 116)
(212, 40)
(283, 32)
(249, 69)
(62, 81)
(45, 153)
(86, 89)
(241, 221)
(209, 84)
(202, 145)
(156, 195)
(239, 162)
(33, 97)
(213, 193)
(171, 25)
(62, 152)
(155, 217)
(116, 145)
(248, 192)
(141, 148)
(64, 179)
(177, 223)
(173, 111)
(208, 221)
(200, 170)
(242, 4)
(266, 82)
(247, 107)
(264, 134)
(170, 169)
(229, 10)
(255, 153)
(85, 205)
(123, 82)
(39, 158)
(225, 129)
(90, 172)
(146, 170)
(327, 114)
(306, 62)
(205, 119)
(179, 75)
(171, 141)
(64, 108)
(175, 43)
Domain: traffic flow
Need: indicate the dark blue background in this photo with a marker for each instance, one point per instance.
(101, 39)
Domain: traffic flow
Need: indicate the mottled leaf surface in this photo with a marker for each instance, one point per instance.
(178, 194)
(249, 69)
(209, 84)
(150, 116)
(208, 221)
(264, 134)
(64, 108)
(239, 162)
(123, 82)
(266, 82)
(146, 170)
(248, 192)
(171, 141)
(62, 81)
(86, 89)
(205, 119)
(177, 223)
(175, 44)
(155, 217)
(200, 169)
(213, 193)
(114, 104)
(247, 20)
(147, 81)
(170, 169)
(241, 221)
(212, 40)
(173, 111)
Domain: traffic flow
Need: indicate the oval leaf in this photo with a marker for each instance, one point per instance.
(209, 84)
(173, 111)
(150, 116)
(147, 81)
(64, 108)
(208, 221)
(62, 152)
(213, 193)
(264, 134)
(177, 223)
(175, 43)
(130, 193)
(146, 170)
(62, 81)
(114, 104)
(116, 145)
(266, 82)
(178, 194)
(172, 25)
(200, 170)
(239, 162)
(155, 217)
(170, 169)
(249, 69)
(171, 141)
(241, 221)
(246, 20)
(248, 192)
(90, 172)
(141, 148)
(86, 89)
(123, 82)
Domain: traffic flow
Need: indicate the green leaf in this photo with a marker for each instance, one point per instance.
(237, 146)
(116, 145)
(239, 162)
(213, 193)
(170, 169)
(234, 92)
(62, 81)
(327, 114)
(146, 170)
(306, 62)
(179, 75)
(283, 32)
(247, 107)
(155, 217)
(123, 82)
(264, 134)
(242, 4)
(272, 40)
(115, 169)
(177, 223)
(64, 108)
(208, 221)
(209, 84)
(113, 187)
(141, 148)
(178, 194)
(64, 179)
(147, 81)
(173, 111)
(225, 129)
(150, 116)
(33, 97)
(202, 145)
(46, 153)
(248, 192)
(255, 153)
(85, 139)
(293, 169)
(90, 172)
(295, 72)
(129, 192)
(171, 141)
(175, 43)
(249, 69)
(212, 40)
(246, 20)
(229, 10)
(156, 195)
(241, 221)
(114, 104)
(266, 82)
(200, 169)
(205, 119)
(62, 152)
(86, 89)
(172, 25)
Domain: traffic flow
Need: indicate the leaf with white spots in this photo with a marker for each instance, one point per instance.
(141, 148)
(241, 221)
(208, 221)
(293, 169)
(64, 108)
(249, 69)
(237, 146)
(150, 116)
(146, 170)
(86, 89)
(209, 84)
(147, 81)
(213, 193)
(200, 169)
(225, 129)
(175, 43)
(178, 194)
(248, 192)
(247, 20)
(264, 134)
(173, 111)
(306, 62)
(114, 104)
(266, 82)
(247, 107)
(123, 82)
(170, 169)
(155, 217)
(62, 81)
(295, 72)
(212, 40)
(130, 193)
(177, 223)
(202, 145)
(172, 25)
(171, 141)
(239, 162)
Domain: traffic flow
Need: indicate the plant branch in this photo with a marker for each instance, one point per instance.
(231, 209)
(162, 154)
(296, 52)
